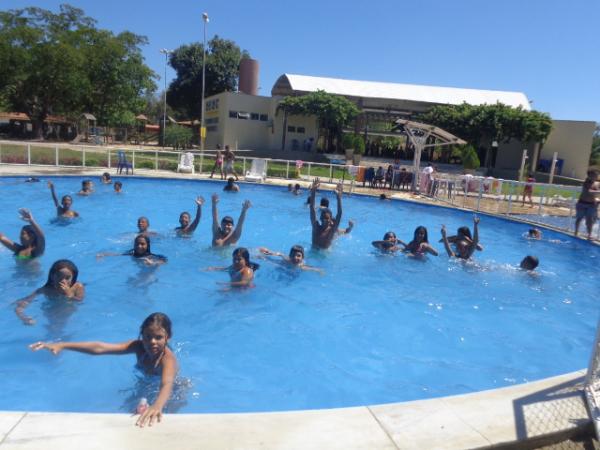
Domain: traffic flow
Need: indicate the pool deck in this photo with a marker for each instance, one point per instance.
(523, 416)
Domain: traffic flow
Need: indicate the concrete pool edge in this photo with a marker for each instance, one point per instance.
(521, 416)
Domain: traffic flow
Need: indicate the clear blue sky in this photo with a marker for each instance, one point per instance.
(548, 49)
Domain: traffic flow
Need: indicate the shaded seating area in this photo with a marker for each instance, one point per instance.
(122, 163)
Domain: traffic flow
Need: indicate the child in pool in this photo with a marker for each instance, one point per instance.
(143, 225)
(32, 241)
(295, 258)
(464, 247)
(231, 186)
(324, 232)
(296, 190)
(241, 271)
(226, 234)
(389, 243)
(534, 233)
(118, 187)
(141, 250)
(153, 355)
(106, 178)
(420, 244)
(62, 282)
(64, 208)
(529, 263)
(464, 234)
(186, 226)
(87, 187)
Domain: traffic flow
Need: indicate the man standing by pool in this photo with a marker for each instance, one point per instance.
(229, 157)
(587, 205)
(324, 232)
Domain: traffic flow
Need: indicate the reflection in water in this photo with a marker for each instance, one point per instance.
(28, 271)
(148, 386)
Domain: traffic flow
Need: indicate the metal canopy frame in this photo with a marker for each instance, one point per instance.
(418, 133)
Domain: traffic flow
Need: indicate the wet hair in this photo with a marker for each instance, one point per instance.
(86, 182)
(534, 232)
(230, 180)
(296, 249)
(62, 264)
(185, 213)
(118, 183)
(297, 186)
(383, 197)
(227, 219)
(147, 239)
(64, 197)
(244, 253)
(419, 228)
(324, 202)
(144, 218)
(159, 319)
(106, 176)
(464, 231)
(389, 234)
(29, 229)
(530, 262)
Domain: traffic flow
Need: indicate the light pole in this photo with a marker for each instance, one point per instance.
(202, 129)
(166, 53)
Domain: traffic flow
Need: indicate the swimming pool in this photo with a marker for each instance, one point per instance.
(373, 329)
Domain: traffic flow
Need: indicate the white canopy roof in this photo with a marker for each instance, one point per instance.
(287, 84)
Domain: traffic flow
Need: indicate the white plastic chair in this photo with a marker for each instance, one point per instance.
(258, 171)
(186, 163)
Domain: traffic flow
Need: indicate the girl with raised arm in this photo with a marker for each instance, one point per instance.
(153, 355)
(225, 233)
(64, 208)
(32, 241)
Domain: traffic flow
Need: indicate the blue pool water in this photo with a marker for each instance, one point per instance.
(372, 329)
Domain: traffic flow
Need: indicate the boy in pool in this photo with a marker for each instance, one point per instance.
(106, 178)
(32, 241)
(143, 225)
(153, 355)
(87, 187)
(534, 233)
(464, 247)
(529, 263)
(323, 232)
(118, 187)
(226, 234)
(296, 190)
(62, 282)
(295, 258)
(64, 208)
(231, 186)
(241, 271)
(186, 226)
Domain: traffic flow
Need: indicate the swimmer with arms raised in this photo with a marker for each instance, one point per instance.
(63, 209)
(225, 233)
(324, 232)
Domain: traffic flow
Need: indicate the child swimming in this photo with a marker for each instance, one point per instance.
(419, 246)
(294, 259)
(32, 241)
(143, 225)
(87, 187)
(185, 224)
(534, 233)
(153, 355)
(241, 271)
(464, 246)
(529, 263)
(389, 243)
(64, 208)
(141, 250)
(324, 232)
(106, 178)
(118, 187)
(62, 282)
(226, 234)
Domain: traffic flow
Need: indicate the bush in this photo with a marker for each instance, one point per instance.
(145, 165)
(177, 137)
(359, 145)
(167, 165)
(348, 141)
(469, 157)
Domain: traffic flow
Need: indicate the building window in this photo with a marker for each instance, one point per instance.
(233, 114)
(291, 129)
(264, 117)
(243, 115)
(212, 128)
(253, 116)
(211, 120)
(300, 130)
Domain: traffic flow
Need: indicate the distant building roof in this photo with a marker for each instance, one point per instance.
(25, 118)
(288, 84)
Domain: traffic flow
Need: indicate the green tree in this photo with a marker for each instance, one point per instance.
(480, 125)
(61, 64)
(595, 155)
(332, 111)
(222, 69)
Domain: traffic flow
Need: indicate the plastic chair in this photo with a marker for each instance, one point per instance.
(258, 171)
(123, 163)
(186, 163)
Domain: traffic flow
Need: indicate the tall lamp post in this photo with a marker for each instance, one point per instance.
(202, 129)
(166, 53)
